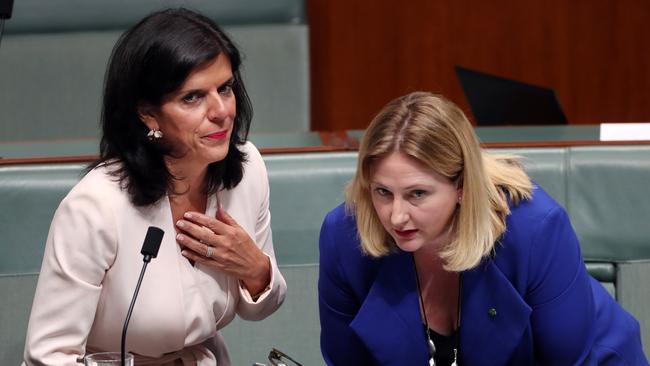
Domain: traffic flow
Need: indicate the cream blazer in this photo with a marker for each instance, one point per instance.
(91, 266)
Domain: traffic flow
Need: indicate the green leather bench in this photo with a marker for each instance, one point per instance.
(54, 54)
(603, 188)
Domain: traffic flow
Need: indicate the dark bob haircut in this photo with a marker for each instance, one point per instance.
(149, 61)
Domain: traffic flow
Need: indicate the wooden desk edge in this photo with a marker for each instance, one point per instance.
(324, 149)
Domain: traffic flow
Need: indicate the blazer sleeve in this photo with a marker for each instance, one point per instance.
(560, 294)
(274, 296)
(80, 248)
(338, 305)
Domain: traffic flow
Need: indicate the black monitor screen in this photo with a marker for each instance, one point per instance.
(497, 101)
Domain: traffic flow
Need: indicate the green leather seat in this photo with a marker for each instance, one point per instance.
(602, 188)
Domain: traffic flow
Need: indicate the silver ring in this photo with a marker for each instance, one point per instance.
(210, 251)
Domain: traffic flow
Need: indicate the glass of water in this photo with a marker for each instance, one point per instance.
(108, 359)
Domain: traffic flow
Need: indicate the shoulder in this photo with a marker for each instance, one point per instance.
(255, 174)
(254, 160)
(340, 226)
(538, 231)
(340, 247)
(531, 218)
(94, 205)
(99, 188)
(539, 205)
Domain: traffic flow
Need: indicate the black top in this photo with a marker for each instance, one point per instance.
(445, 346)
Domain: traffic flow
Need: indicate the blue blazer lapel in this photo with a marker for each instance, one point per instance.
(389, 321)
(494, 316)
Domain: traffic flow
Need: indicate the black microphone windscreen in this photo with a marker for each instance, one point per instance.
(152, 241)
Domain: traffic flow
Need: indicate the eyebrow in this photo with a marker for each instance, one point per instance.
(417, 186)
(231, 80)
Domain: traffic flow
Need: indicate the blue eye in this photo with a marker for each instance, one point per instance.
(418, 193)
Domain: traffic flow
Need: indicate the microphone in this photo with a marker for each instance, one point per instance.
(149, 250)
(151, 243)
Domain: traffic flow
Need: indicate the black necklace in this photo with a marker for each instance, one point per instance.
(430, 344)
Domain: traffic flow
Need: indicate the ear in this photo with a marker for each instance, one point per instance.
(147, 116)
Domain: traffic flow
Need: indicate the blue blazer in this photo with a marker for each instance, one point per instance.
(532, 302)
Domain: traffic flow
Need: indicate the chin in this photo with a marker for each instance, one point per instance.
(216, 156)
(408, 245)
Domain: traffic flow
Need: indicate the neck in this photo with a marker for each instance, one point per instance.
(190, 179)
(189, 188)
(439, 291)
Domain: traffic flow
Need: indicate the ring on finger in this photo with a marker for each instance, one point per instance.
(210, 251)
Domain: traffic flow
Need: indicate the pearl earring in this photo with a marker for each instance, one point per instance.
(154, 135)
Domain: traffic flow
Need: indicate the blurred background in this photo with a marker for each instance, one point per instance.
(593, 53)
(330, 65)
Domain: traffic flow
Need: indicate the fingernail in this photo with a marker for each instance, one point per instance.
(180, 237)
(184, 252)
(180, 223)
(187, 215)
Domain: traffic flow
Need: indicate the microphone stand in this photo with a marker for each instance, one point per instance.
(2, 28)
(150, 248)
(128, 314)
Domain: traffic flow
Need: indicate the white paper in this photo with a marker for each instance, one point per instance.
(624, 131)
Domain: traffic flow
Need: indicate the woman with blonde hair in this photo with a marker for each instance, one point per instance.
(446, 254)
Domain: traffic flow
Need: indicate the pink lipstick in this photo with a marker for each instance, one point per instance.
(218, 135)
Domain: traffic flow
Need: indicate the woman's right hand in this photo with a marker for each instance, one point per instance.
(220, 242)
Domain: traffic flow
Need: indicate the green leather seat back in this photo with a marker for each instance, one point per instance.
(602, 188)
(17, 291)
(29, 196)
(608, 201)
(304, 187)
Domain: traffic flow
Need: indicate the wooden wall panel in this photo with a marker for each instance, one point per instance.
(594, 53)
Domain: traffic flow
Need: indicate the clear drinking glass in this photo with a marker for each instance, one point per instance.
(108, 359)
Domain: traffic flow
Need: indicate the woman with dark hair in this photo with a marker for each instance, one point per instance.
(174, 155)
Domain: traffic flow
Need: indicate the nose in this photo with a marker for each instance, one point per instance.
(217, 109)
(399, 215)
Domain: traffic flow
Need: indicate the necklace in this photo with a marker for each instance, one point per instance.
(430, 344)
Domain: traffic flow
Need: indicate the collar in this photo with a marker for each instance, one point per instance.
(494, 315)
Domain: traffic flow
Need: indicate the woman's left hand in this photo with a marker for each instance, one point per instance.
(232, 249)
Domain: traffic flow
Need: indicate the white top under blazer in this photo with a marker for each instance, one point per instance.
(92, 262)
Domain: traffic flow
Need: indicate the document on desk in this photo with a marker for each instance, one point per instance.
(624, 131)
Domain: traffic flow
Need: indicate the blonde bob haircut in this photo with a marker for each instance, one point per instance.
(435, 132)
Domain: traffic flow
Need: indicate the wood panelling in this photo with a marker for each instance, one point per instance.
(594, 53)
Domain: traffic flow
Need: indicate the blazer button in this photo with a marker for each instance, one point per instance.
(492, 312)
